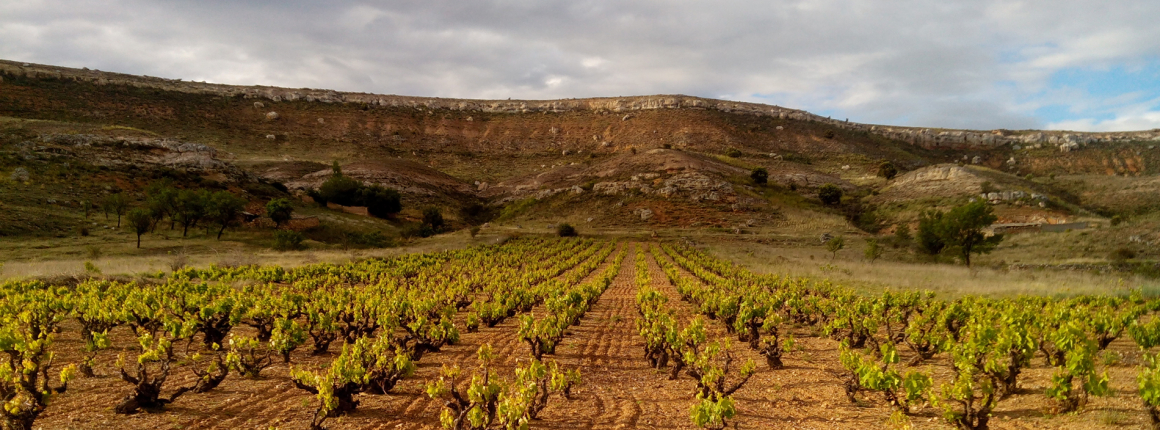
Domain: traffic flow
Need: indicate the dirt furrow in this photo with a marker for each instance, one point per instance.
(807, 393)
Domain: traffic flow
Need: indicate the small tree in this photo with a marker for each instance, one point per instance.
(930, 239)
(873, 251)
(566, 230)
(835, 244)
(760, 176)
(223, 209)
(190, 207)
(433, 218)
(117, 204)
(887, 170)
(279, 210)
(963, 226)
(830, 194)
(140, 220)
(160, 198)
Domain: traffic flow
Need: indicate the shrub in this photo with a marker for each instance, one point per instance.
(341, 190)
(760, 176)
(988, 187)
(830, 194)
(381, 202)
(566, 230)
(417, 230)
(887, 170)
(433, 217)
(733, 152)
(829, 134)
(477, 213)
(1123, 254)
(929, 237)
(1117, 220)
(287, 240)
(902, 234)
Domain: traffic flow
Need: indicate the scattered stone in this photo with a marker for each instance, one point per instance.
(977, 160)
(470, 119)
(825, 237)
(589, 219)
(321, 121)
(780, 127)
(626, 117)
(644, 213)
(564, 152)
(846, 167)
(1016, 147)
(259, 105)
(271, 115)
(271, 137)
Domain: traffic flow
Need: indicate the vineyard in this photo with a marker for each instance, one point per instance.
(562, 333)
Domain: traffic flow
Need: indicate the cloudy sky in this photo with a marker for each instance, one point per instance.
(1061, 64)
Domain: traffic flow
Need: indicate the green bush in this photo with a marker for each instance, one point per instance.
(341, 190)
(279, 210)
(887, 170)
(566, 230)
(433, 217)
(760, 176)
(1123, 254)
(733, 152)
(830, 194)
(288, 240)
(381, 202)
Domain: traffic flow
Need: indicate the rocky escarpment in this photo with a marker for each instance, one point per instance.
(924, 137)
(124, 152)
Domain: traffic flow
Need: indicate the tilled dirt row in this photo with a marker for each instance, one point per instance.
(808, 394)
(618, 389)
(271, 401)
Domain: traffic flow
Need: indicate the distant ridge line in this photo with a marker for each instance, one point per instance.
(925, 137)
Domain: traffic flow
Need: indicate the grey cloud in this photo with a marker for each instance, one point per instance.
(948, 63)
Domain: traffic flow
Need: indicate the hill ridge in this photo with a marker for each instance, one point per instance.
(925, 137)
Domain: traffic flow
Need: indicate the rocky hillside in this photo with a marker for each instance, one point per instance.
(612, 161)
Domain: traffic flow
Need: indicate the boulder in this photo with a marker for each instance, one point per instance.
(644, 213)
(271, 115)
(19, 175)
